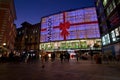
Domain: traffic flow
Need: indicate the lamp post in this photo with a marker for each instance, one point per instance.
(4, 47)
(4, 44)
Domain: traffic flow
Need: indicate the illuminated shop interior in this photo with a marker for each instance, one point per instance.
(72, 44)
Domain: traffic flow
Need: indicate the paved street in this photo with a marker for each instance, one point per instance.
(73, 70)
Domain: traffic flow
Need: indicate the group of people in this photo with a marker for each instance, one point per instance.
(8, 57)
(64, 56)
(17, 57)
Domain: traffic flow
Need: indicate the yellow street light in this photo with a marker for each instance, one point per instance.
(4, 44)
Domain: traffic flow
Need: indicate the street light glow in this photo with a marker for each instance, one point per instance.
(4, 44)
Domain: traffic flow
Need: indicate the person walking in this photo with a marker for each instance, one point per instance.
(43, 54)
(61, 57)
(77, 56)
(68, 56)
(52, 56)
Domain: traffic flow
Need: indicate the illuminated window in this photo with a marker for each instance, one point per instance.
(111, 7)
(103, 40)
(117, 32)
(106, 39)
(113, 36)
(105, 2)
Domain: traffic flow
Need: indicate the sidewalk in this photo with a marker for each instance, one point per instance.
(73, 70)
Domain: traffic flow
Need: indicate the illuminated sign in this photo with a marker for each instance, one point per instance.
(70, 25)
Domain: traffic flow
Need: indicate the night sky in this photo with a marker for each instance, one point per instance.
(32, 10)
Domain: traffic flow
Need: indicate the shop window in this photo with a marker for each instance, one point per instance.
(113, 36)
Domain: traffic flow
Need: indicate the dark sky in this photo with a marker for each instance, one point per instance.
(32, 10)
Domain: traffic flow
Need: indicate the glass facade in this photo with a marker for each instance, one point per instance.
(83, 24)
(70, 30)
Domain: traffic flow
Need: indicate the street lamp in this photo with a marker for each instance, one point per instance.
(4, 44)
(4, 47)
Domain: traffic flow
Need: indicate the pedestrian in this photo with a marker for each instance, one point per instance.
(67, 56)
(64, 56)
(46, 57)
(43, 54)
(52, 56)
(61, 57)
(11, 56)
(77, 56)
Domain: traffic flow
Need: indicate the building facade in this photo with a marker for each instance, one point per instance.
(7, 26)
(28, 38)
(109, 20)
(70, 30)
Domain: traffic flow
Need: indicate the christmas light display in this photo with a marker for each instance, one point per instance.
(70, 25)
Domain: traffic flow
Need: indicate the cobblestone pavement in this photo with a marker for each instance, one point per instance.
(73, 70)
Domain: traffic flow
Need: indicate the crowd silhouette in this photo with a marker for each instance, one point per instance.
(27, 57)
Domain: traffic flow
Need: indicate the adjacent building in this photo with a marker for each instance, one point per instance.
(109, 20)
(7, 26)
(28, 38)
(76, 30)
